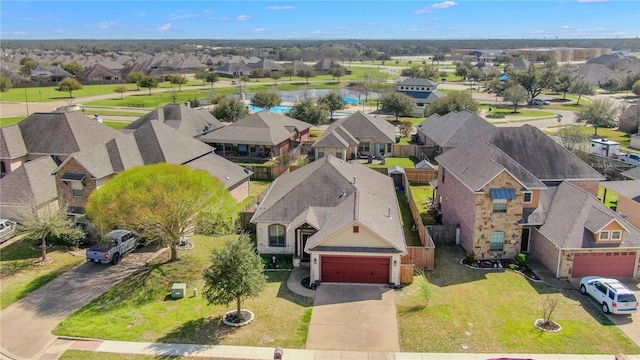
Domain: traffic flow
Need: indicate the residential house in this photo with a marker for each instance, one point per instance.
(488, 70)
(495, 188)
(188, 121)
(341, 217)
(423, 91)
(323, 66)
(595, 74)
(262, 135)
(633, 174)
(628, 205)
(441, 133)
(28, 188)
(44, 73)
(233, 70)
(581, 236)
(520, 64)
(267, 66)
(630, 119)
(98, 72)
(358, 135)
(152, 142)
(50, 134)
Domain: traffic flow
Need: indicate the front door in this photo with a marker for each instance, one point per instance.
(304, 256)
(524, 243)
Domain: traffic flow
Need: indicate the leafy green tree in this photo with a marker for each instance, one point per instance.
(257, 74)
(454, 101)
(306, 73)
(50, 225)
(266, 100)
(503, 59)
(135, 78)
(289, 72)
(148, 82)
(580, 88)
(534, 80)
(201, 75)
(121, 89)
(73, 68)
(24, 60)
(496, 86)
(5, 83)
(162, 202)
(573, 135)
(438, 58)
(412, 72)
(236, 273)
(515, 94)
(338, 72)
(405, 128)
(462, 71)
(333, 102)
(25, 69)
(397, 103)
(443, 74)
(211, 77)
(177, 80)
(563, 84)
(275, 75)
(309, 112)
(230, 110)
(613, 84)
(629, 81)
(598, 113)
(69, 85)
(636, 88)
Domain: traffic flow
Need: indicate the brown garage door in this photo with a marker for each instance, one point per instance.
(373, 270)
(603, 264)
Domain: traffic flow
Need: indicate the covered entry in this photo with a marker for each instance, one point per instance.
(610, 264)
(355, 269)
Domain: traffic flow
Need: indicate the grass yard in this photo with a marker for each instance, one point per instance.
(145, 100)
(20, 276)
(11, 120)
(411, 237)
(522, 111)
(256, 187)
(404, 162)
(612, 197)
(480, 311)
(110, 112)
(140, 308)
(116, 124)
(90, 355)
(422, 195)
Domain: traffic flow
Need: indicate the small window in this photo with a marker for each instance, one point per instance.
(356, 229)
(612, 295)
(604, 235)
(276, 235)
(499, 205)
(320, 153)
(77, 189)
(339, 153)
(616, 235)
(527, 197)
(497, 241)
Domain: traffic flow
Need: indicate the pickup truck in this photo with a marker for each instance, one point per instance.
(114, 246)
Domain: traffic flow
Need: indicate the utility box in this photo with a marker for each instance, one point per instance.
(605, 147)
(178, 290)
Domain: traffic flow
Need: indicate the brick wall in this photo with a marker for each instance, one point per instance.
(457, 204)
(64, 188)
(590, 186)
(544, 250)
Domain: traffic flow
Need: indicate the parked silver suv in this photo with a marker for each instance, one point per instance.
(612, 295)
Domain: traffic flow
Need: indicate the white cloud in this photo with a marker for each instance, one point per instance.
(281, 7)
(243, 17)
(317, 32)
(107, 25)
(432, 20)
(371, 24)
(565, 27)
(437, 6)
(259, 31)
(206, 11)
(166, 27)
(29, 19)
(18, 33)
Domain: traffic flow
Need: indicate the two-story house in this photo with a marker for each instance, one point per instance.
(423, 91)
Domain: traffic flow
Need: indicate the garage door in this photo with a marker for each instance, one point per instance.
(603, 264)
(373, 270)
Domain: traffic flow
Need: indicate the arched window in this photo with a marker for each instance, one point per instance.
(276, 235)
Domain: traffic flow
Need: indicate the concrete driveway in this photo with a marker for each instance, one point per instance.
(27, 324)
(354, 317)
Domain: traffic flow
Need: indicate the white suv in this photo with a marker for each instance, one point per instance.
(537, 101)
(612, 295)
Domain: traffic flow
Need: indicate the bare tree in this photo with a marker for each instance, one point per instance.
(548, 307)
(572, 136)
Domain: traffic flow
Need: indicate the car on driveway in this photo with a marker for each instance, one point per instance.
(7, 229)
(537, 102)
(612, 295)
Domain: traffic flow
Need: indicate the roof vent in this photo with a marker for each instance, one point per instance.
(623, 215)
(343, 193)
(389, 212)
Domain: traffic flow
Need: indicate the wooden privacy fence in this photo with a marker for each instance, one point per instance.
(442, 234)
(423, 257)
(245, 215)
(406, 273)
(401, 150)
(414, 176)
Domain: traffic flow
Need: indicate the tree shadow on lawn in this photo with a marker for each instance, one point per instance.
(283, 290)
(210, 331)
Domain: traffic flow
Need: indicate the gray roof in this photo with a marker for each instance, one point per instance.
(266, 65)
(155, 142)
(323, 194)
(526, 152)
(454, 128)
(12, 145)
(31, 184)
(191, 122)
(59, 133)
(418, 82)
(233, 68)
(632, 173)
(595, 74)
(629, 188)
(575, 214)
(355, 128)
(261, 128)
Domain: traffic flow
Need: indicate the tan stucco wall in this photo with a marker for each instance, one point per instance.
(614, 225)
(364, 238)
(535, 198)
(486, 221)
(262, 237)
(631, 209)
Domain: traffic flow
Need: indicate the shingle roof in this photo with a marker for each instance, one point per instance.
(62, 133)
(267, 65)
(594, 73)
(261, 128)
(335, 136)
(30, 184)
(97, 71)
(575, 213)
(418, 82)
(191, 122)
(632, 173)
(12, 145)
(454, 128)
(327, 187)
(359, 126)
(628, 188)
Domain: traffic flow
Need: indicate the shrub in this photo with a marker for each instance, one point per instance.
(521, 260)
(283, 261)
(496, 115)
(469, 258)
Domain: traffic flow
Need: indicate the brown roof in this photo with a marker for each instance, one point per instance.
(31, 184)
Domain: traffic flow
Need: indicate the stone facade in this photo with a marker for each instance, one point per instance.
(65, 193)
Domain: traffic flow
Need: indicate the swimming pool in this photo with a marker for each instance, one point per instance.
(280, 109)
(351, 100)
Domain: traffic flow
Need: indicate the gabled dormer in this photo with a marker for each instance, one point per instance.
(605, 228)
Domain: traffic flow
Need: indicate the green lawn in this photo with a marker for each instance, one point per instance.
(110, 112)
(612, 197)
(522, 111)
(478, 311)
(20, 276)
(394, 161)
(140, 308)
(411, 237)
(11, 120)
(422, 195)
(257, 186)
(90, 355)
(116, 124)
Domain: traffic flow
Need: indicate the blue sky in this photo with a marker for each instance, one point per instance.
(446, 19)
